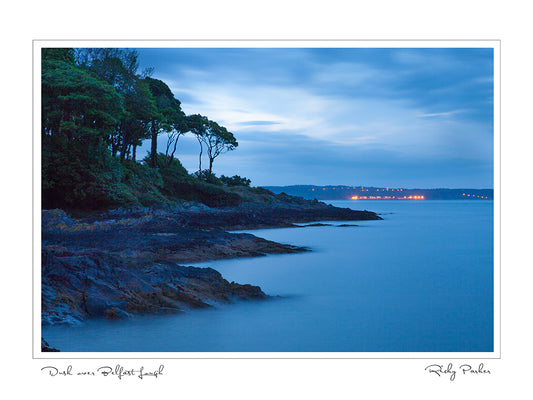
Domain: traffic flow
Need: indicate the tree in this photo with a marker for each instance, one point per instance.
(119, 68)
(168, 113)
(218, 140)
(198, 126)
(79, 113)
(179, 127)
(140, 107)
(59, 54)
(76, 105)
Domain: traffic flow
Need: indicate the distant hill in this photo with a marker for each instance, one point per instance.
(343, 192)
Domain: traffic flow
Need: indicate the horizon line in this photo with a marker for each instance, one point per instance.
(380, 187)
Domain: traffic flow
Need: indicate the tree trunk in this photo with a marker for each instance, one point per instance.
(123, 151)
(174, 150)
(153, 152)
(200, 158)
(114, 148)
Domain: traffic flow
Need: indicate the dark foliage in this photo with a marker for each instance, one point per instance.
(96, 110)
(235, 180)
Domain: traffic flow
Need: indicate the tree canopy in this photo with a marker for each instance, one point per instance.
(217, 140)
(168, 115)
(97, 109)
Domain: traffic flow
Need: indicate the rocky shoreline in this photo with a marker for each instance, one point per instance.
(126, 261)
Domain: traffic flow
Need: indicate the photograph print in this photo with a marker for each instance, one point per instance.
(313, 200)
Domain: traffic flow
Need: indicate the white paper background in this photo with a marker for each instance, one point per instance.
(25, 21)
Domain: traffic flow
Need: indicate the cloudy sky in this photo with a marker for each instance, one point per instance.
(399, 117)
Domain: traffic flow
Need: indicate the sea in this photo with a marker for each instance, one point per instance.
(422, 280)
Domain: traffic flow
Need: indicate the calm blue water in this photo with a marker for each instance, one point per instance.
(421, 280)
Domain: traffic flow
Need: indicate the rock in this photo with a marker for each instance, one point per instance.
(93, 284)
(124, 261)
(45, 347)
(55, 220)
(315, 224)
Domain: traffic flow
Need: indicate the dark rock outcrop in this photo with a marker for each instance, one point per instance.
(45, 347)
(124, 261)
(90, 284)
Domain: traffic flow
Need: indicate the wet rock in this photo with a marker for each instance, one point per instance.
(125, 261)
(45, 347)
(92, 284)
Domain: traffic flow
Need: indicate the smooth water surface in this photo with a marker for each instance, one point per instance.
(421, 280)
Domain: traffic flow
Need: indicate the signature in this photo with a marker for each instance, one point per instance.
(117, 371)
(451, 372)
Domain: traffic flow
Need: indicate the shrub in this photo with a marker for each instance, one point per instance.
(195, 190)
(142, 183)
(235, 180)
(207, 176)
(262, 190)
(76, 178)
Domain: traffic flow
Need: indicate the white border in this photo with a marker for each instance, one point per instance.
(39, 44)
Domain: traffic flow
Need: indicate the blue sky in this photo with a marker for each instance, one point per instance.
(399, 117)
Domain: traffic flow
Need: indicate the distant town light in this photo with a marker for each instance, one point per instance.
(412, 197)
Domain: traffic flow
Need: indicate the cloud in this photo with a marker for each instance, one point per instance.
(258, 123)
(394, 124)
(442, 114)
(342, 109)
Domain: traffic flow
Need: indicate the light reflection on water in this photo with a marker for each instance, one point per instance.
(421, 280)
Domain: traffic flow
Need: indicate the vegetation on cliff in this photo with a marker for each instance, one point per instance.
(97, 109)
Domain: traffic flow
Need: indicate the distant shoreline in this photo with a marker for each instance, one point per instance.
(344, 192)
